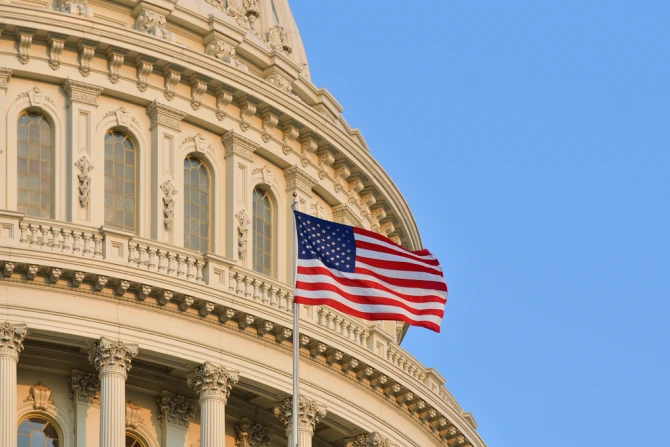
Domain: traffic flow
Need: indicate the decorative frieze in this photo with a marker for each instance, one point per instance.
(154, 24)
(24, 38)
(40, 395)
(85, 387)
(86, 53)
(242, 230)
(213, 380)
(85, 167)
(297, 178)
(113, 356)
(175, 409)
(160, 114)
(56, 43)
(144, 66)
(169, 192)
(75, 7)
(236, 144)
(115, 59)
(82, 92)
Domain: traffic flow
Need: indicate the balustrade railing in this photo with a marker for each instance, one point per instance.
(165, 259)
(69, 239)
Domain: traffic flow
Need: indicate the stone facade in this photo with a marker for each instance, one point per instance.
(126, 333)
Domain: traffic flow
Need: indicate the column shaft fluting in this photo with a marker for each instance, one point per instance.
(8, 401)
(112, 410)
(212, 422)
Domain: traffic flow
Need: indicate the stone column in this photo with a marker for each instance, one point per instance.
(213, 384)
(80, 159)
(310, 414)
(112, 360)
(175, 413)
(11, 345)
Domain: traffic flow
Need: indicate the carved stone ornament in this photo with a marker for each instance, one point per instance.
(24, 38)
(225, 52)
(270, 121)
(75, 7)
(84, 167)
(116, 57)
(223, 100)
(209, 380)
(85, 387)
(160, 114)
(133, 416)
(11, 339)
(277, 40)
(250, 434)
(175, 409)
(268, 176)
(153, 24)
(86, 53)
(245, 12)
(236, 144)
(5, 76)
(56, 44)
(169, 192)
(112, 356)
(242, 230)
(280, 82)
(247, 110)
(172, 76)
(198, 88)
(82, 92)
(311, 413)
(40, 395)
(144, 66)
(200, 142)
(290, 135)
(371, 440)
(297, 178)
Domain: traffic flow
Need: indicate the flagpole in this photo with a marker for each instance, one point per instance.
(296, 336)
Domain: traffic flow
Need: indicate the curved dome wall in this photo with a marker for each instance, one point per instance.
(150, 152)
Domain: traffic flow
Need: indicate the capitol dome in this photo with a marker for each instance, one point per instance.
(150, 152)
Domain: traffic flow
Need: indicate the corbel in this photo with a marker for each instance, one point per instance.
(325, 160)
(247, 110)
(270, 118)
(245, 320)
(368, 197)
(307, 146)
(86, 53)
(100, 283)
(333, 356)
(224, 96)
(392, 390)
(56, 44)
(77, 279)
(386, 228)
(283, 333)
(31, 273)
(226, 314)
(340, 173)
(24, 38)
(365, 372)
(121, 287)
(378, 381)
(143, 292)
(205, 308)
(165, 297)
(263, 327)
(317, 348)
(291, 132)
(198, 88)
(185, 302)
(349, 364)
(144, 65)
(54, 275)
(115, 58)
(172, 74)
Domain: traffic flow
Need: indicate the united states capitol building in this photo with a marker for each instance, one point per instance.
(149, 154)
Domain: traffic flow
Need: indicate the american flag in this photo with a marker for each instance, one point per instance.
(364, 274)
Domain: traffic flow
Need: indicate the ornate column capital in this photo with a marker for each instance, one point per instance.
(236, 144)
(11, 339)
(297, 178)
(5, 76)
(310, 413)
(213, 381)
(85, 387)
(160, 114)
(112, 356)
(82, 92)
(370, 440)
(251, 434)
(175, 409)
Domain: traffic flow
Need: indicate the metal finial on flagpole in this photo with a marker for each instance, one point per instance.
(296, 336)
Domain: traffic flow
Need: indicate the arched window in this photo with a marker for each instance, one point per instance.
(196, 205)
(35, 165)
(262, 228)
(36, 431)
(120, 181)
(133, 441)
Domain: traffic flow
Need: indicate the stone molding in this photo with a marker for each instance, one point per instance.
(85, 387)
(160, 114)
(297, 178)
(213, 381)
(82, 92)
(11, 339)
(236, 144)
(175, 409)
(112, 356)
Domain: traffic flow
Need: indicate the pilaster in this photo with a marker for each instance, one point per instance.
(112, 359)
(311, 413)
(82, 105)
(165, 121)
(238, 160)
(175, 413)
(213, 384)
(5, 76)
(85, 394)
(11, 345)
(299, 184)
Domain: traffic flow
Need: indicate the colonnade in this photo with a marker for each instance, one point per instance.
(112, 360)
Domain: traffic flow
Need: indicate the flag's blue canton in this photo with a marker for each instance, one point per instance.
(330, 242)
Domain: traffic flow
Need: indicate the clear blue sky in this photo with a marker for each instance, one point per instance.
(531, 140)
